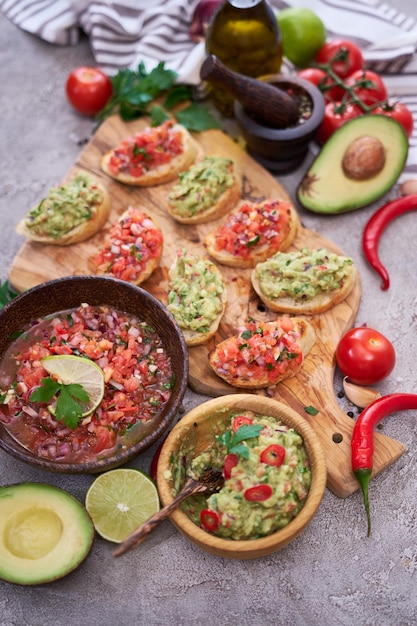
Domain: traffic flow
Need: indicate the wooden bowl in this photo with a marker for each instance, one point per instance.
(282, 150)
(194, 434)
(66, 293)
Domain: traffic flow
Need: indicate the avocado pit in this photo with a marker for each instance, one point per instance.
(364, 158)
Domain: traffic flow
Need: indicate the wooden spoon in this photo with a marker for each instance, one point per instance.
(209, 482)
(267, 104)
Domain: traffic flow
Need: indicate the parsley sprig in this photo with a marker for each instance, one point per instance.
(233, 441)
(6, 293)
(67, 409)
(135, 92)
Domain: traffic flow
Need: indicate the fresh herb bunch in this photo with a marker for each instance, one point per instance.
(135, 92)
(68, 408)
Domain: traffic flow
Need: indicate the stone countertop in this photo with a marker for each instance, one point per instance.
(333, 574)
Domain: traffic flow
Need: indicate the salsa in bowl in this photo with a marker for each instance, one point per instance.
(92, 372)
(274, 471)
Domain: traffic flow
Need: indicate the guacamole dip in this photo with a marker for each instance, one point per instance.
(302, 274)
(195, 292)
(267, 478)
(64, 208)
(201, 186)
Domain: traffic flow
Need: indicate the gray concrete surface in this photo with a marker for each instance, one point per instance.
(332, 575)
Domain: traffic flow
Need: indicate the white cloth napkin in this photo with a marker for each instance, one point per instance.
(125, 32)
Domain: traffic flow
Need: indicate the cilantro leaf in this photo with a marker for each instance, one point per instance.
(67, 409)
(311, 410)
(6, 293)
(233, 441)
(196, 117)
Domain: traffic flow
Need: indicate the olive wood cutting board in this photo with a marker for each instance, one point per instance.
(313, 386)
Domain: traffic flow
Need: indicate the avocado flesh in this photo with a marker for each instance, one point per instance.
(45, 533)
(326, 188)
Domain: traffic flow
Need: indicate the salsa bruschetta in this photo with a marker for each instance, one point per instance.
(263, 354)
(253, 233)
(133, 249)
(152, 156)
(206, 191)
(305, 281)
(197, 297)
(69, 214)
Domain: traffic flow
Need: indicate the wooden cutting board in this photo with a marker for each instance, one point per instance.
(313, 386)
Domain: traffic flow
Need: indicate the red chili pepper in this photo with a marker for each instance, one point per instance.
(258, 493)
(241, 420)
(230, 462)
(273, 455)
(210, 520)
(362, 443)
(375, 227)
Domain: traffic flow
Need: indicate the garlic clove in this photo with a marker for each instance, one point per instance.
(358, 395)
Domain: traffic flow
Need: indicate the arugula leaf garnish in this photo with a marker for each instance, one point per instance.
(67, 408)
(233, 442)
(135, 92)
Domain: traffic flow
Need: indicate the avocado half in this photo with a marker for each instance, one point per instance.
(45, 533)
(326, 188)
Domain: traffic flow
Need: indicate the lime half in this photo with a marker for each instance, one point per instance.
(119, 501)
(69, 369)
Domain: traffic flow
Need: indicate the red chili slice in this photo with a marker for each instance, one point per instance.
(210, 520)
(273, 455)
(230, 462)
(258, 493)
(241, 420)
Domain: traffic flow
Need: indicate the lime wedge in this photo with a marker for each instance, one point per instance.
(69, 369)
(119, 501)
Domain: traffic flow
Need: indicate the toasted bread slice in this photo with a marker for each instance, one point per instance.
(69, 214)
(152, 156)
(133, 249)
(263, 353)
(253, 232)
(197, 297)
(305, 282)
(206, 191)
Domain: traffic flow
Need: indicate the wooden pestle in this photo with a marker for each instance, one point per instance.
(268, 105)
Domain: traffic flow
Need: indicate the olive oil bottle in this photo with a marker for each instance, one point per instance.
(245, 36)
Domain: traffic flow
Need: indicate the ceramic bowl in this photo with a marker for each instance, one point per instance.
(194, 433)
(283, 150)
(66, 293)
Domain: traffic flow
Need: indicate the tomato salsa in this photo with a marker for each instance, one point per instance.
(137, 374)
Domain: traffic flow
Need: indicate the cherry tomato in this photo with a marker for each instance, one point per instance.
(258, 493)
(365, 356)
(399, 112)
(273, 455)
(88, 89)
(335, 115)
(210, 520)
(345, 57)
(368, 86)
(319, 78)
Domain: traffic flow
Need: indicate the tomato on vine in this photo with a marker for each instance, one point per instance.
(335, 115)
(368, 86)
(320, 79)
(399, 112)
(344, 57)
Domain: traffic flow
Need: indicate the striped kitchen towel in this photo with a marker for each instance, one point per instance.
(124, 32)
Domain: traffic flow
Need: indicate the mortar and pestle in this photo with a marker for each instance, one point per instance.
(270, 113)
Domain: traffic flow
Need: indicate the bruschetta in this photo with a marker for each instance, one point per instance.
(133, 249)
(253, 232)
(69, 214)
(304, 282)
(206, 191)
(152, 156)
(197, 297)
(263, 354)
